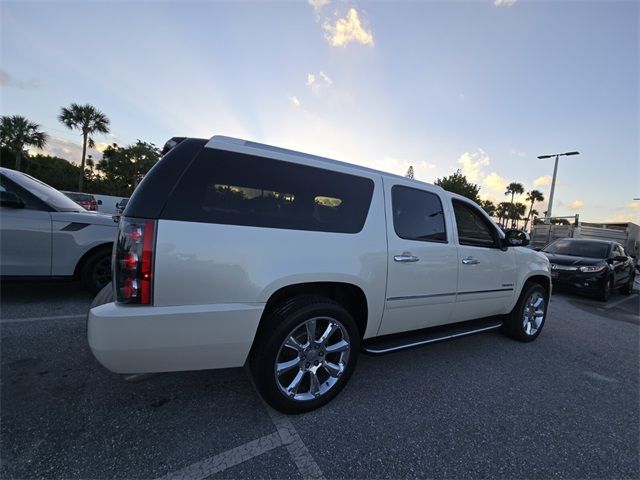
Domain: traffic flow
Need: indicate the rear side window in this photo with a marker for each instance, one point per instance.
(239, 189)
(417, 215)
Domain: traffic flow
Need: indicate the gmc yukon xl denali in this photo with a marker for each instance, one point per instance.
(231, 252)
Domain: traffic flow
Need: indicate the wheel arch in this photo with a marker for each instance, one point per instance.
(349, 295)
(543, 280)
(108, 246)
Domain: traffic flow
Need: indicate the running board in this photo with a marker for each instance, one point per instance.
(417, 338)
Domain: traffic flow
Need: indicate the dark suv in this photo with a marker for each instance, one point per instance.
(593, 266)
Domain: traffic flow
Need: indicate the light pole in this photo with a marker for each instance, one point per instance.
(553, 182)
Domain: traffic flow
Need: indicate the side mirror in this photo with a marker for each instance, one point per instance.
(620, 258)
(10, 200)
(99, 202)
(516, 238)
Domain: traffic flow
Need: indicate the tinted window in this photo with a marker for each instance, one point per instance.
(44, 192)
(238, 189)
(579, 248)
(417, 215)
(30, 201)
(473, 227)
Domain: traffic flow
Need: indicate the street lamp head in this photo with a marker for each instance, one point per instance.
(545, 156)
(572, 153)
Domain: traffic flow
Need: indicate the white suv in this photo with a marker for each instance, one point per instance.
(231, 252)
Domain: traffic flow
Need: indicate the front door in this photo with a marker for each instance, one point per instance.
(487, 273)
(422, 259)
(25, 236)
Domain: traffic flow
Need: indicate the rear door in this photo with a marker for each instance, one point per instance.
(25, 235)
(487, 273)
(422, 258)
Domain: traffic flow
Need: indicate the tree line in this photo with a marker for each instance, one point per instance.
(121, 168)
(509, 214)
(117, 173)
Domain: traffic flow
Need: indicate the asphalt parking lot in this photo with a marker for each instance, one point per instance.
(566, 405)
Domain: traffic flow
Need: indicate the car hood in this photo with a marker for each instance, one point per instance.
(571, 260)
(91, 218)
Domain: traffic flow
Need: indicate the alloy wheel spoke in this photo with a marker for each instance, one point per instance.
(311, 330)
(341, 346)
(332, 369)
(314, 385)
(293, 343)
(283, 367)
(295, 383)
(330, 330)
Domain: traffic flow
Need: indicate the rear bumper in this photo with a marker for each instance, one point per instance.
(137, 339)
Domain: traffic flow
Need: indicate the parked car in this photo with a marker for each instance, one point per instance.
(45, 234)
(232, 251)
(597, 267)
(120, 206)
(85, 200)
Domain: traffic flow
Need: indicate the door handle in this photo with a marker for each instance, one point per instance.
(405, 258)
(470, 261)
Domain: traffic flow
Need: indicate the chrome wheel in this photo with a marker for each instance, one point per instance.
(533, 314)
(312, 358)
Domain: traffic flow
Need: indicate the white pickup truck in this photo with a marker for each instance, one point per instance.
(232, 252)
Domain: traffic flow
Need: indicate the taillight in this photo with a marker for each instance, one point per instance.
(133, 262)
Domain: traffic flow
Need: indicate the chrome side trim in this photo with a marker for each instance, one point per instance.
(411, 297)
(487, 291)
(431, 340)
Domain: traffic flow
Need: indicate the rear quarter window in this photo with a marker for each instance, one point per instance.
(239, 189)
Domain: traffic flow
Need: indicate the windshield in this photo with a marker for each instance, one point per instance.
(44, 192)
(579, 248)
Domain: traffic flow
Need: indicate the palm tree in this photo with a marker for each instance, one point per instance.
(502, 212)
(88, 120)
(17, 132)
(533, 196)
(517, 213)
(514, 188)
(489, 207)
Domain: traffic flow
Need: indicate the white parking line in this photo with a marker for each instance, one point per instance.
(230, 458)
(39, 319)
(299, 452)
(609, 306)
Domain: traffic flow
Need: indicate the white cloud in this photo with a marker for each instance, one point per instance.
(518, 153)
(326, 78)
(295, 101)
(70, 151)
(472, 164)
(318, 4)
(346, 30)
(541, 181)
(503, 3)
(311, 79)
(577, 205)
(495, 182)
(316, 83)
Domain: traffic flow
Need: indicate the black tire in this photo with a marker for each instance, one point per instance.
(515, 326)
(627, 288)
(606, 290)
(104, 296)
(95, 272)
(281, 324)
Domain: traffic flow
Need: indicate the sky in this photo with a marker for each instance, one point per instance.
(484, 86)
